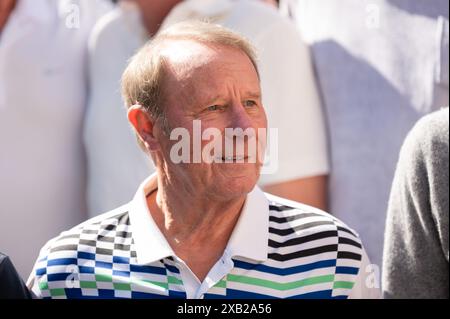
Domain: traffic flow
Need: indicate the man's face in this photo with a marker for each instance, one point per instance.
(219, 87)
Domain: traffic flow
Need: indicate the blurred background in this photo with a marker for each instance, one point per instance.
(342, 80)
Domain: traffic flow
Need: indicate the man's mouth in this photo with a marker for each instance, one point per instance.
(240, 158)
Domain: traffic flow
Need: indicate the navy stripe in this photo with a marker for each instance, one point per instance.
(58, 277)
(145, 295)
(347, 270)
(86, 270)
(148, 269)
(322, 294)
(121, 260)
(85, 255)
(121, 273)
(103, 264)
(239, 294)
(285, 271)
(172, 269)
(41, 271)
(61, 261)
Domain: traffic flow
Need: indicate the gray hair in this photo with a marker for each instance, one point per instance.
(143, 77)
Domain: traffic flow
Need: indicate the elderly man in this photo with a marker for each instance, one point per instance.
(202, 229)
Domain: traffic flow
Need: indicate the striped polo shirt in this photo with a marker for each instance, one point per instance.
(278, 249)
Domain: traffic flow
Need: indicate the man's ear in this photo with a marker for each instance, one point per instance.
(143, 125)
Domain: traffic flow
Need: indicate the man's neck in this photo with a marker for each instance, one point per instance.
(198, 230)
(195, 222)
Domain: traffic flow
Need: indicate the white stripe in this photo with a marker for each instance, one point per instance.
(350, 248)
(149, 276)
(302, 233)
(308, 245)
(297, 222)
(104, 258)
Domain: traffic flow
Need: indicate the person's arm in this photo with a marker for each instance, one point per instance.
(6, 8)
(415, 257)
(11, 284)
(310, 191)
(367, 284)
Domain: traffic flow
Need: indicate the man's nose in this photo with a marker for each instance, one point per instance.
(240, 118)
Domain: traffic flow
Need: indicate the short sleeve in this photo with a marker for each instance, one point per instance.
(367, 284)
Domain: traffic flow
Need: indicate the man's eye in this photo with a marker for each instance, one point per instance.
(213, 108)
(249, 103)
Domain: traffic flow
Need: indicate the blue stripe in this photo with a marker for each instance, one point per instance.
(85, 255)
(86, 270)
(106, 293)
(144, 295)
(41, 271)
(347, 270)
(58, 277)
(323, 294)
(121, 260)
(238, 294)
(61, 261)
(285, 271)
(121, 273)
(213, 296)
(340, 297)
(148, 269)
(177, 294)
(172, 269)
(103, 264)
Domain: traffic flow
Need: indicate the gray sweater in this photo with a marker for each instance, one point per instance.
(415, 259)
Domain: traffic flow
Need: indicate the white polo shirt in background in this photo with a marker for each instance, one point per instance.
(42, 99)
(289, 93)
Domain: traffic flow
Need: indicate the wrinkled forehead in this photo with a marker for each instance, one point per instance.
(194, 69)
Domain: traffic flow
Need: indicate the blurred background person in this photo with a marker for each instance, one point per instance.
(291, 98)
(415, 260)
(11, 284)
(381, 65)
(42, 98)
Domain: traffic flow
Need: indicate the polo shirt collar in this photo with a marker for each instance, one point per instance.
(249, 238)
(150, 243)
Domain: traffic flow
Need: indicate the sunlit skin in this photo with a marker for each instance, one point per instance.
(310, 190)
(6, 8)
(196, 206)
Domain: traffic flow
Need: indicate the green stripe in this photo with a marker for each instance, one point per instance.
(281, 286)
(221, 284)
(88, 284)
(57, 292)
(43, 285)
(343, 284)
(174, 280)
(122, 286)
(103, 278)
